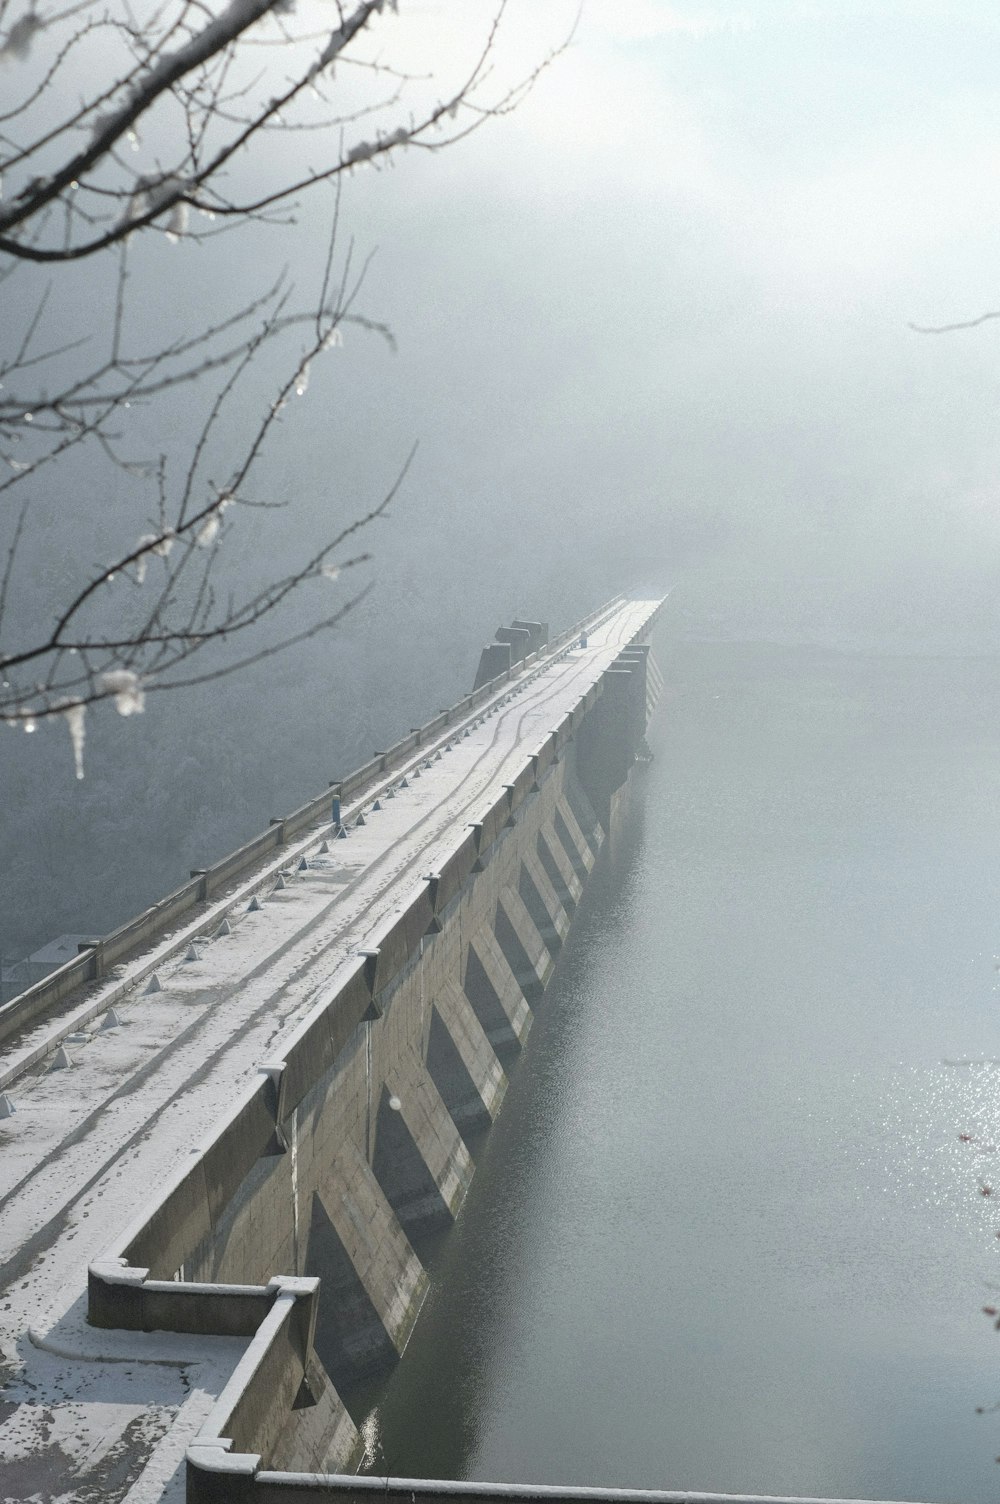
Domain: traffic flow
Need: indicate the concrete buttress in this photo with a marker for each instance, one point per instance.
(495, 994)
(465, 1067)
(559, 869)
(522, 945)
(543, 902)
(376, 1282)
(420, 1158)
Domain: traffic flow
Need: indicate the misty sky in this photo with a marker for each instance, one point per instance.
(668, 300)
(666, 304)
(653, 332)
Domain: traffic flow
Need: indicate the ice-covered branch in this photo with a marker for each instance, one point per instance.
(173, 102)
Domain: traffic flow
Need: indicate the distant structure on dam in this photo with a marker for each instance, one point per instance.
(228, 1129)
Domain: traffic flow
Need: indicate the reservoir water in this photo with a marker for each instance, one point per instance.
(736, 1224)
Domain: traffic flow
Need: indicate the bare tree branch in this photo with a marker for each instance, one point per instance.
(984, 318)
(206, 82)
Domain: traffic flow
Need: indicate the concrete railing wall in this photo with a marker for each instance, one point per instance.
(95, 961)
(257, 1485)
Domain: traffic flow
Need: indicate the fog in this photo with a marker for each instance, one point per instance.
(653, 332)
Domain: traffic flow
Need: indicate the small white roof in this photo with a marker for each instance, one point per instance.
(63, 948)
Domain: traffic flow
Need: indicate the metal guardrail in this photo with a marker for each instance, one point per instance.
(348, 1488)
(95, 961)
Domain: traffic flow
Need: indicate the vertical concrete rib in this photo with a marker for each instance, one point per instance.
(559, 869)
(543, 902)
(420, 1159)
(654, 683)
(578, 812)
(525, 951)
(493, 991)
(462, 1061)
(576, 848)
(373, 1282)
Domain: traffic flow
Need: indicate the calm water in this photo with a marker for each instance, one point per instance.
(724, 1234)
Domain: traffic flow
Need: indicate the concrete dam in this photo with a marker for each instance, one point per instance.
(228, 1130)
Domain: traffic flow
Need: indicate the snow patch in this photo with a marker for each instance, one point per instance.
(208, 532)
(126, 686)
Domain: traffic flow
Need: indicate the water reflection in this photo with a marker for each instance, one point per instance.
(727, 1233)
